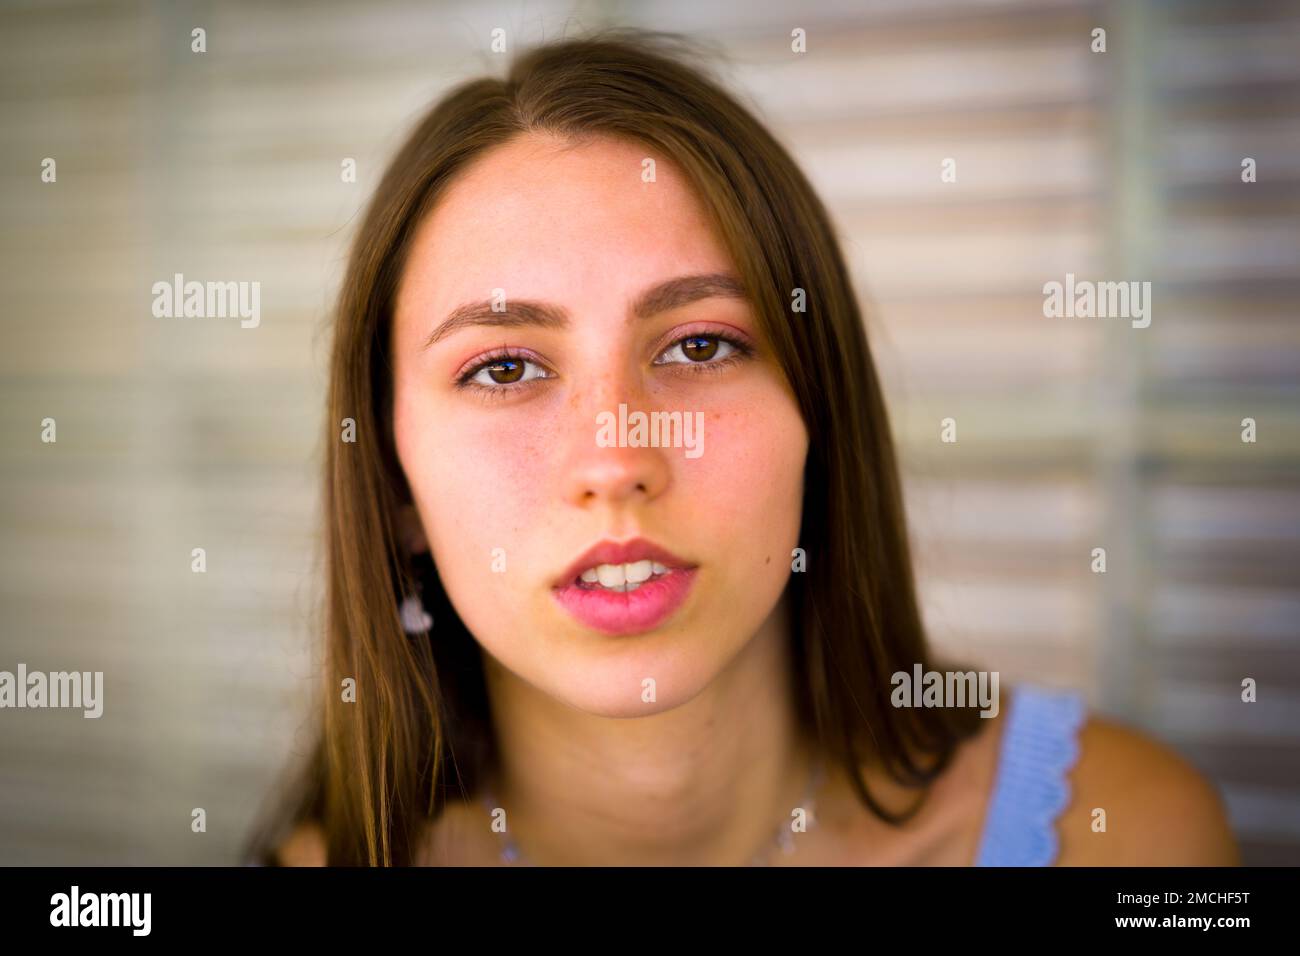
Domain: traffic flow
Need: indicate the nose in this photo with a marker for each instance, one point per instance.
(618, 474)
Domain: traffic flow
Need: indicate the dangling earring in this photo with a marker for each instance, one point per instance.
(415, 619)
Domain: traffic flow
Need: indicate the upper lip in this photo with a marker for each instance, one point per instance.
(620, 552)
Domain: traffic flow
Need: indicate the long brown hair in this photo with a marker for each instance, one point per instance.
(418, 731)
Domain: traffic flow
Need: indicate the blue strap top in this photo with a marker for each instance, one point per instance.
(1031, 787)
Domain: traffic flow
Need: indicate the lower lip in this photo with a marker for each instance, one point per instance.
(628, 612)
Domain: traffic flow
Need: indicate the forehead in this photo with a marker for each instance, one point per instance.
(546, 218)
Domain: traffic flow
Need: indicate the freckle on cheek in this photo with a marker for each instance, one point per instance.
(513, 455)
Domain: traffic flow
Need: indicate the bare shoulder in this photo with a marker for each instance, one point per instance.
(305, 846)
(945, 830)
(1158, 809)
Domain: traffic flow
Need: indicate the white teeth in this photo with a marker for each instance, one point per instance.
(623, 577)
(611, 575)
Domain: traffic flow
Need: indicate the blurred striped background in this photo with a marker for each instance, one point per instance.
(1072, 433)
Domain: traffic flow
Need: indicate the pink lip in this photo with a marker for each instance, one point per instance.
(633, 612)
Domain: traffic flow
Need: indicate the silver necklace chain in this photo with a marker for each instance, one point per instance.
(783, 840)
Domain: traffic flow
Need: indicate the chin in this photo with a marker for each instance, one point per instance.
(616, 685)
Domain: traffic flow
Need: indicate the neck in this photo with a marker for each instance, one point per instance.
(706, 783)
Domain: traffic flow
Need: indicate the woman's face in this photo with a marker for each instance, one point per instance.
(533, 306)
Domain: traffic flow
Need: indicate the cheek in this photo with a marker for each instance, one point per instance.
(750, 478)
(499, 462)
(477, 487)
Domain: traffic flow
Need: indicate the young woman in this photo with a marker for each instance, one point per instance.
(558, 636)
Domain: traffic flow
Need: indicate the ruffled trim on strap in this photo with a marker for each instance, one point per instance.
(1039, 748)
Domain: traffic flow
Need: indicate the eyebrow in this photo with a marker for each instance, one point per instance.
(663, 297)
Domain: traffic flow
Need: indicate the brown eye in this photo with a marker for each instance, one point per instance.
(699, 348)
(505, 371)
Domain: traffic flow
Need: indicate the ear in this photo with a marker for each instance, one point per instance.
(410, 530)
